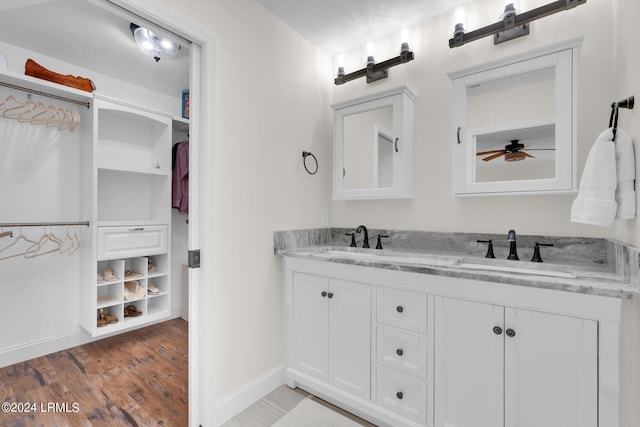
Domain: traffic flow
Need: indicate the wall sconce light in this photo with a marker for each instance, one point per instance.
(512, 24)
(153, 45)
(373, 71)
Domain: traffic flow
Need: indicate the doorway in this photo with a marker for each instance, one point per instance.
(200, 59)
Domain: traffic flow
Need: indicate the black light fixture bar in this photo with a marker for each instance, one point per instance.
(520, 19)
(375, 72)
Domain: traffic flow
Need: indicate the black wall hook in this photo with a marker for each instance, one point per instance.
(305, 154)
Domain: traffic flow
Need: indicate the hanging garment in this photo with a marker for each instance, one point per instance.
(596, 203)
(626, 172)
(180, 183)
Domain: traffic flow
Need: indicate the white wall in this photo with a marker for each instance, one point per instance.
(433, 208)
(273, 98)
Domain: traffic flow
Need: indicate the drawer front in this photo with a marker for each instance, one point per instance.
(402, 394)
(404, 351)
(118, 242)
(402, 309)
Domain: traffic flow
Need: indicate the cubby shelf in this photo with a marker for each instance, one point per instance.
(127, 189)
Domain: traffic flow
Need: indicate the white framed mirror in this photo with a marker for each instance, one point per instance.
(513, 124)
(373, 146)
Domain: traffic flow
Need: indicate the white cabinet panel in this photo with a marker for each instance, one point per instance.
(310, 325)
(349, 332)
(402, 309)
(402, 394)
(551, 370)
(404, 351)
(468, 364)
(118, 242)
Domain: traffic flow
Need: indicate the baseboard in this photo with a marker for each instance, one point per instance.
(21, 353)
(240, 399)
(43, 347)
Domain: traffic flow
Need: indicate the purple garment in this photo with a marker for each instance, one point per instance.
(180, 184)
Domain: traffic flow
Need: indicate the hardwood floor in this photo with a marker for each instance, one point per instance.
(139, 378)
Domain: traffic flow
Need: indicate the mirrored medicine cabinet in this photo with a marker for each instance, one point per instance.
(373, 146)
(513, 124)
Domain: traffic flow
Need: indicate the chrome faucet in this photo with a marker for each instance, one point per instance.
(513, 253)
(360, 229)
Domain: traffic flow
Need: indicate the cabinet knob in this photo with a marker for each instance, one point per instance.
(324, 294)
(510, 333)
(399, 395)
(330, 295)
(497, 330)
(399, 309)
(399, 352)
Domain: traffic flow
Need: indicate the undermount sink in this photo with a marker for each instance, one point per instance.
(399, 257)
(542, 271)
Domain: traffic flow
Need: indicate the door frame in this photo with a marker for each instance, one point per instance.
(201, 202)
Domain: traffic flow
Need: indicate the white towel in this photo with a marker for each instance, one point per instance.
(626, 171)
(596, 203)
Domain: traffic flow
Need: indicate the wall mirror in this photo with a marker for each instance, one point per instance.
(513, 124)
(373, 146)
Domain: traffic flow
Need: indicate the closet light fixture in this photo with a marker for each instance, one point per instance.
(512, 24)
(373, 71)
(152, 44)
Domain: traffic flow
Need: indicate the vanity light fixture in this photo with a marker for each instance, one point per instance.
(152, 44)
(512, 24)
(373, 71)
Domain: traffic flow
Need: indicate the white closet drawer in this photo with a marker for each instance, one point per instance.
(402, 394)
(117, 242)
(404, 351)
(402, 309)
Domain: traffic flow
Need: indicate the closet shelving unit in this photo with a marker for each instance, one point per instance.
(127, 194)
(45, 88)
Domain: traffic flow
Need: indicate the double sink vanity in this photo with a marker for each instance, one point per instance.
(429, 332)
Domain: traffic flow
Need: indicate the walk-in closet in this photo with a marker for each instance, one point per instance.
(94, 220)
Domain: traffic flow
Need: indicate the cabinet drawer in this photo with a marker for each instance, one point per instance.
(404, 351)
(117, 242)
(402, 309)
(402, 394)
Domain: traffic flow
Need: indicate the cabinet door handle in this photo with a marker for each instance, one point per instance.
(324, 294)
(399, 309)
(330, 295)
(399, 352)
(137, 229)
(399, 395)
(510, 333)
(497, 330)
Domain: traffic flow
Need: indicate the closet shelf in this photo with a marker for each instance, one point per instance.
(149, 171)
(40, 85)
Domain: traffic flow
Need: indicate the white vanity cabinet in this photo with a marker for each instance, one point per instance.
(127, 197)
(331, 333)
(501, 366)
(444, 351)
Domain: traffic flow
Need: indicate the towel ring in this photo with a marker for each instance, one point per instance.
(306, 154)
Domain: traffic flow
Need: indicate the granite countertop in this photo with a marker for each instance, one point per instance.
(605, 275)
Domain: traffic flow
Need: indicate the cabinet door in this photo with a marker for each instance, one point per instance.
(350, 337)
(310, 335)
(468, 364)
(551, 369)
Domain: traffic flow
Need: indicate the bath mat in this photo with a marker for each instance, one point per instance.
(311, 414)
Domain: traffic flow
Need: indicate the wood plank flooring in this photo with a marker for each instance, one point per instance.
(139, 378)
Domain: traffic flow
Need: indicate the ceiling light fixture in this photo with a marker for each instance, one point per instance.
(512, 24)
(152, 44)
(373, 71)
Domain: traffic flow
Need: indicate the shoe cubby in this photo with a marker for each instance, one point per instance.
(126, 196)
(158, 305)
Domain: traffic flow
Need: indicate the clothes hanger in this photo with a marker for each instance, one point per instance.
(21, 237)
(44, 239)
(76, 240)
(67, 242)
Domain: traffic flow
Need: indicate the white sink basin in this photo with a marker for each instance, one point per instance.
(400, 257)
(515, 269)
